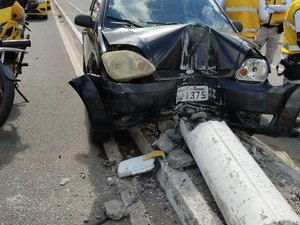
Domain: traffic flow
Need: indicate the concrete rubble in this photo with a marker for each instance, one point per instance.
(64, 181)
(285, 178)
(179, 159)
(134, 166)
(164, 143)
(224, 162)
(115, 209)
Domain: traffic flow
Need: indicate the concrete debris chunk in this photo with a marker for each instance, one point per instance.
(64, 181)
(179, 159)
(134, 166)
(115, 209)
(165, 125)
(111, 181)
(198, 116)
(171, 133)
(109, 163)
(164, 143)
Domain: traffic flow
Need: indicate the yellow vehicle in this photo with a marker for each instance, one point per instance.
(37, 8)
(11, 22)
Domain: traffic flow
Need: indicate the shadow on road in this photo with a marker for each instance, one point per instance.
(10, 144)
(98, 174)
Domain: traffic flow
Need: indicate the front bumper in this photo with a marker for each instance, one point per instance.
(149, 99)
(135, 98)
(38, 10)
(282, 102)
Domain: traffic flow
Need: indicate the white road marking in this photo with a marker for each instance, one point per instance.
(75, 63)
(75, 7)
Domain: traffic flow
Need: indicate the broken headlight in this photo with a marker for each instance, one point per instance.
(126, 65)
(253, 69)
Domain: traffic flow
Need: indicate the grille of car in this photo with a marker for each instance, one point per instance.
(166, 75)
(176, 74)
(34, 11)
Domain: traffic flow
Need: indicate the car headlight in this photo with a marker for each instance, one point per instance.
(253, 69)
(126, 65)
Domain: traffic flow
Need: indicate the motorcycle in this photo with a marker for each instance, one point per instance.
(13, 46)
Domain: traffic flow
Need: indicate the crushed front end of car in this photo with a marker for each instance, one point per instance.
(150, 73)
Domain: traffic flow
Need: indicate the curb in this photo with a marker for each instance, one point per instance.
(71, 26)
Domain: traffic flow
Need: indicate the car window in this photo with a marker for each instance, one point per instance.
(159, 12)
(96, 8)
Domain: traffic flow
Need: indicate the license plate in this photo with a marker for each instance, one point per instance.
(192, 94)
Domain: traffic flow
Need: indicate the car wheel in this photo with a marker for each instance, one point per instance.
(84, 66)
(99, 136)
(100, 129)
(7, 94)
(45, 17)
(247, 119)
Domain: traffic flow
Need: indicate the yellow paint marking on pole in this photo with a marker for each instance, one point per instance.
(156, 153)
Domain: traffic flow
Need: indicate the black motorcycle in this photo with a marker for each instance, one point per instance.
(13, 46)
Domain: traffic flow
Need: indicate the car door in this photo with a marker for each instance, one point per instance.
(90, 36)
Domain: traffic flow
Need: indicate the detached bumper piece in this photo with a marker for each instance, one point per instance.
(138, 98)
(100, 124)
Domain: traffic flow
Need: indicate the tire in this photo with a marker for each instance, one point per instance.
(84, 66)
(7, 95)
(100, 129)
(99, 136)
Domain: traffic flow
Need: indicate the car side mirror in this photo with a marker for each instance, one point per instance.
(84, 21)
(238, 25)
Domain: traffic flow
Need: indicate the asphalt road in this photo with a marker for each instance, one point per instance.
(46, 140)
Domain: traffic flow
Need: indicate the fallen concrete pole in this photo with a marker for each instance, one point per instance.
(190, 205)
(243, 192)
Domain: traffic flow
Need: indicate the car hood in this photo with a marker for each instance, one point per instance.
(183, 46)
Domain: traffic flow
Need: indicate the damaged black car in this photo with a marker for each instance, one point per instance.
(146, 60)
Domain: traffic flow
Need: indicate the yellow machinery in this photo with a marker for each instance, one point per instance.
(12, 50)
(12, 19)
(37, 8)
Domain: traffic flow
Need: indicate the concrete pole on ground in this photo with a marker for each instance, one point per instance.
(243, 192)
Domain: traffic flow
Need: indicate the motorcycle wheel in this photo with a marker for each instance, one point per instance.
(7, 95)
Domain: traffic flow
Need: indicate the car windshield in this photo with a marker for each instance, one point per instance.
(142, 13)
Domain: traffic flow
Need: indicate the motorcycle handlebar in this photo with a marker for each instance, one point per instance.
(15, 43)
